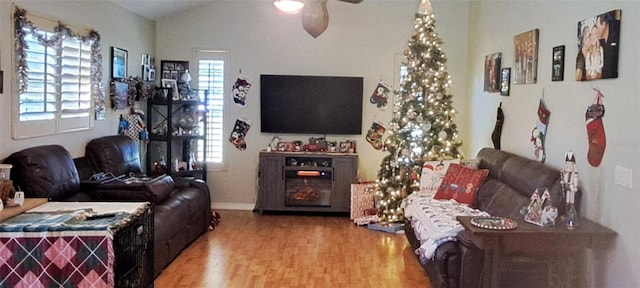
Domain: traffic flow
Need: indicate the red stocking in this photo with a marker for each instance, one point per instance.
(595, 131)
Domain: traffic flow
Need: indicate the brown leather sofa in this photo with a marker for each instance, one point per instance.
(511, 181)
(181, 209)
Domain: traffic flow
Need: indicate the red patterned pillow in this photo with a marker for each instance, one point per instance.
(461, 184)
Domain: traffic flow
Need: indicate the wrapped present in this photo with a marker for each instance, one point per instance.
(361, 199)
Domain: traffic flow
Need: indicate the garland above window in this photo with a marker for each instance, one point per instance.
(24, 26)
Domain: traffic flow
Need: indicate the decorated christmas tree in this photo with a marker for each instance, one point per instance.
(422, 128)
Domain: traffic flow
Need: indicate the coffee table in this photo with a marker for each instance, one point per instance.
(29, 203)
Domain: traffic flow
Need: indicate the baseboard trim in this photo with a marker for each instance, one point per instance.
(233, 206)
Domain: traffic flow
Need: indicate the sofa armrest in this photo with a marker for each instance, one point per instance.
(447, 260)
(471, 260)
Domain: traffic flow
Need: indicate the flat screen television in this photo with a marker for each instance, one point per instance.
(311, 104)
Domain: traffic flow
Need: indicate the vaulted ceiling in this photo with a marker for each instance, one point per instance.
(155, 9)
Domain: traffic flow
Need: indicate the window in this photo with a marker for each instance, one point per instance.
(211, 75)
(57, 77)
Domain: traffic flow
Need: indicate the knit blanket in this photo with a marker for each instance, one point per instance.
(434, 221)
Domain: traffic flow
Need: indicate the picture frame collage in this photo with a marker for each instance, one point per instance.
(598, 40)
(148, 67)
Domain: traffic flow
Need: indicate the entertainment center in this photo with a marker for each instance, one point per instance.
(306, 182)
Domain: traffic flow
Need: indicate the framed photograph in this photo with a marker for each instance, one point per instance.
(119, 94)
(118, 63)
(525, 62)
(602, 34)
(492, 64)
(173, 89)
(505, 81)
(557, 64)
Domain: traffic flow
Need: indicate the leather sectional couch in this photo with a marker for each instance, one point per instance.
(511, 181)
(181, 209)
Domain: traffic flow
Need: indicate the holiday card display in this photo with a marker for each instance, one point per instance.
(539, 211)
(539, 132)
(381, 95)
(595, 130)
(374, 135)
(240, 90)
(239, 133)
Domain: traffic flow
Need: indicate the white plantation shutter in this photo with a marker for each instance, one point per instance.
(211, 67)
(58, 94)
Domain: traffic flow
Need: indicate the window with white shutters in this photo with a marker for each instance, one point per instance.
(55, 84)
(211, 73)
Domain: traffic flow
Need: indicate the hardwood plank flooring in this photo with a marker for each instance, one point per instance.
(251, 250)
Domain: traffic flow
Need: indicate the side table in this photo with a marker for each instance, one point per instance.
(29, 203)
(562, 247)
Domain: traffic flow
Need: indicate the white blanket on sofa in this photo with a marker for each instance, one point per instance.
(434, 221)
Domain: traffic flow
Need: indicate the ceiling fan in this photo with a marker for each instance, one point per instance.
(315, 17)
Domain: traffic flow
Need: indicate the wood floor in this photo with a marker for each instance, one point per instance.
(251, 250)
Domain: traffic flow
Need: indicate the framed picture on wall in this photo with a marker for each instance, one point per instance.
(557, 64)
(599, 33)
(492, 64)
(118, 63)
(505, 81)
(525, 62)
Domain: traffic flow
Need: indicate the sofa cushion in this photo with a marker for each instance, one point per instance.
(116, 154)
(45, 172)
(432, 174)
(461, 184)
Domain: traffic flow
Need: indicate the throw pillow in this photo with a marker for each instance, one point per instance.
(461, 184)
(432, 174)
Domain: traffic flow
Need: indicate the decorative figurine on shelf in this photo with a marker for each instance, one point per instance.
(537, 212)
(569, 185)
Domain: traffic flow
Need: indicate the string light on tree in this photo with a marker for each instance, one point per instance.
(422, 128)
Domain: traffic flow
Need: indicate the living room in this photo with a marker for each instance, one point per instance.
(366, 40)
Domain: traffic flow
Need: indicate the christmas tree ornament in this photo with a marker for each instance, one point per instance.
(595, 130)
(539, 132)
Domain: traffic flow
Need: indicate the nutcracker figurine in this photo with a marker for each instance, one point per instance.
(569, 184)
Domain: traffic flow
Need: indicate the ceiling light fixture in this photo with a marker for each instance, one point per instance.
(289, 6)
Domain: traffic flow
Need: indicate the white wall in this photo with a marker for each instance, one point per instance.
(361, 40)
(117, 27)
(492, 27)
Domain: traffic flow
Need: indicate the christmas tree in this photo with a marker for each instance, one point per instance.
(422, 128)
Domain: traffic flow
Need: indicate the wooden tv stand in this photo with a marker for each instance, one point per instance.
(285, 176)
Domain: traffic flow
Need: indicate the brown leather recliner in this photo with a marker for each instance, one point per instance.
(182, 210)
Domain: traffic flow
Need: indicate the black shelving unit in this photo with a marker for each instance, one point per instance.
(176, 128)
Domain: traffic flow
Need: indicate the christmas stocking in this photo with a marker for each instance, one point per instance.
(374, 135)
(538, 134)
(240, 90)
(239, 133)
(497, 131)
(595, 130)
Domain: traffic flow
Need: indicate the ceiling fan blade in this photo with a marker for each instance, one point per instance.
(315, 17)
(351, 1)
